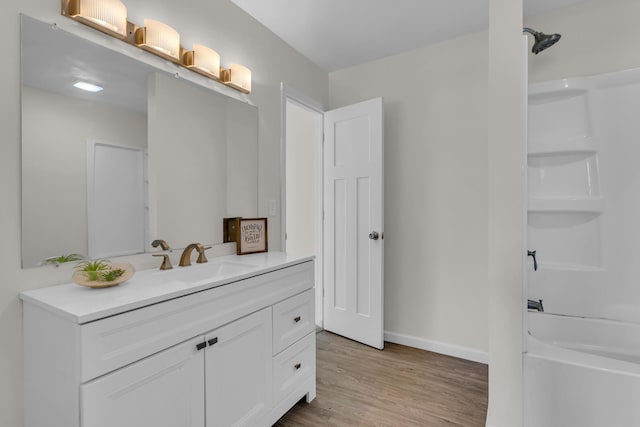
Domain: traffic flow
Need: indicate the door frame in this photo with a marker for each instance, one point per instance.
(289, 93)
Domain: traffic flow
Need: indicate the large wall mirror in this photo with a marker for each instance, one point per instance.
(149, 156)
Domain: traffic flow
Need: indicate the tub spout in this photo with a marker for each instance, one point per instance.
(535, 305)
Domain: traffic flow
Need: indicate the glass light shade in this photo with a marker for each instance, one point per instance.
(240, 77)
(110, 14)
(162, 37)
(206, 59)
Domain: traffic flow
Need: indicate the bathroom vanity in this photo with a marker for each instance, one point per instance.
(230, 342)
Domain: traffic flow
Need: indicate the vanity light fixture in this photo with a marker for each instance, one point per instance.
(238, 77)
(89, 87)
(108, 16)
(160, 39)
(203, 60)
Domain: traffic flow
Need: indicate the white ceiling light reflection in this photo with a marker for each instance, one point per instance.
(89, 87)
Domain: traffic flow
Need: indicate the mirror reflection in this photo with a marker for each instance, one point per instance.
(145, 156)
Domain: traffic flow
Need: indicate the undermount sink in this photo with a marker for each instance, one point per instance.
(204, 272)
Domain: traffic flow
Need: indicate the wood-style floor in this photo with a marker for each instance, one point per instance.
(399, 386)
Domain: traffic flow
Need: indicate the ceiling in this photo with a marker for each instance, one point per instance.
(53, 60)
(336, 34)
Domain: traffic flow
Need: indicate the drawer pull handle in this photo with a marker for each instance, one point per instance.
(200, 346)
(213, 341)
(296, 319)
(298, 366)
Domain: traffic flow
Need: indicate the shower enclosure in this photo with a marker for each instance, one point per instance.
(582, 361)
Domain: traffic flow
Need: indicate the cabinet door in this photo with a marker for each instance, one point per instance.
(163, 390)
(238, 372)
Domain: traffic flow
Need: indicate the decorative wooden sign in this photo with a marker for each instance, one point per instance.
(252, 235)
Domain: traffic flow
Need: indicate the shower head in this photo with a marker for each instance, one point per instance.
(542, 40)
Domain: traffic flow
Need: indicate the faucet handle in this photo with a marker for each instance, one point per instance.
(166, 262)
(202, 258)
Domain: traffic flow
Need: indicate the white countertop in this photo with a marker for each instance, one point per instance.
(81, 304)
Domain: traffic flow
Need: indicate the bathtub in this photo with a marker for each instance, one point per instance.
(581, 372)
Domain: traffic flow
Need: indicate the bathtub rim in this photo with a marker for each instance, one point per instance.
(541, 349)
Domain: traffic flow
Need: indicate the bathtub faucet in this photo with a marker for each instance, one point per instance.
(535, 305)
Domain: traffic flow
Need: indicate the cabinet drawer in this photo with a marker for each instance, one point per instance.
(293, 366)
(293, 319)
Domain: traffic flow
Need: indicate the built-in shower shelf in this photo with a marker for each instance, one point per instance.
(577, 145)
(566, 204)
(559, 95)
(557, 90)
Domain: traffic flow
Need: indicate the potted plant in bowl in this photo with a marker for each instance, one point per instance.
(101, 273)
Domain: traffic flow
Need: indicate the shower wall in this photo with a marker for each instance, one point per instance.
(584, 195)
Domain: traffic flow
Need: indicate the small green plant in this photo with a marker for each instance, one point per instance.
(94, 269)
(111, 275)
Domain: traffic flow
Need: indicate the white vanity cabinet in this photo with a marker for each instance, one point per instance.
(238, 351)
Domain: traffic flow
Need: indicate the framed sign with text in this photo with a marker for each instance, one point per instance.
(251, 235)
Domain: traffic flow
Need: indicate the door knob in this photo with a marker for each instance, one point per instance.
(374, 235)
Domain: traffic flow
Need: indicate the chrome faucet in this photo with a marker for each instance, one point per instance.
(535, 305)
(185, 258)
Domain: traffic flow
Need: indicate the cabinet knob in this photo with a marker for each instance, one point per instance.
(201, 345)
(297, 366)
(213, 341)
(296, 319)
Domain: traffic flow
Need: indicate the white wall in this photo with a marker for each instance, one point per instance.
(597, 36)
(303, 130)
(187, 162)
(242, 150)
(54, 160)
(506, 121)
(203, 161)
(216, 23)
(435, 230)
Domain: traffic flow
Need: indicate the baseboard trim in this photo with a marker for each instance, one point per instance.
(438, 347)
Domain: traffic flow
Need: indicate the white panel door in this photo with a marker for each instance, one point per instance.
(116, 193)
(238, 372)
(353, 203)
(164, 390)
